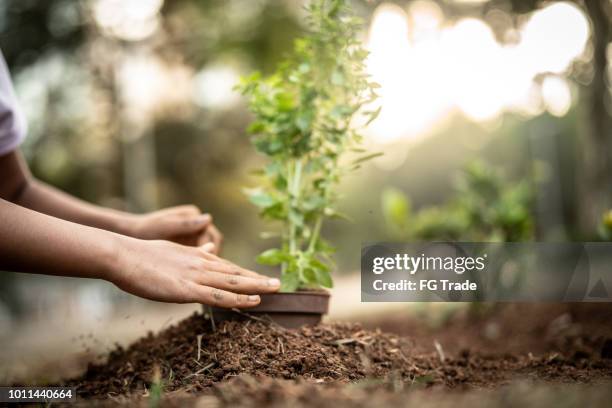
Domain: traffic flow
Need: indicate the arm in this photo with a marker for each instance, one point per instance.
(21, 188)
(184, 224)
(157, 270)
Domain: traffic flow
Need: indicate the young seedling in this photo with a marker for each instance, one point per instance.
(305, 126)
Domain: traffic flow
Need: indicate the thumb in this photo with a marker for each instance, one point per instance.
(188, 225)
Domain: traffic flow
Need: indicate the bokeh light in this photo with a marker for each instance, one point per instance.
(214, 87)
(556, 95)
(430, 68)
(128, 19)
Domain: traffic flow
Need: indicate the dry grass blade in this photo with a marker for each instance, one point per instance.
(201, 370)
(199, 339)
(439, 350)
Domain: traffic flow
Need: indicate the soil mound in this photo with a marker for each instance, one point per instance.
(192, 355)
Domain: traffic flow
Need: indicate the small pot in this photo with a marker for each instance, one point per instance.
(290, 310)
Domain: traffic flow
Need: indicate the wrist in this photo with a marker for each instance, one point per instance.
(111, 257)
(126, 224)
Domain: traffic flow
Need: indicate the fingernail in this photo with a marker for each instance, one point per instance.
(202, 219)
(253, 298)
(208, 247)
(273, 282)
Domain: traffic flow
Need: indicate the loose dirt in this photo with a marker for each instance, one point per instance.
(193, 358)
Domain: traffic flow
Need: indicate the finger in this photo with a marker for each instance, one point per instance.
(216, 264)
(181, 225)
(216, 236)
(212, 234)
(212, 256)
(208, 247)
(230, 269)
(205, 238)
(221, 298)
(188, 209)
(179, 210)
(239, 284)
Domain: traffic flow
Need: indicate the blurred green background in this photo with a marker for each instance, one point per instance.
(495, 122)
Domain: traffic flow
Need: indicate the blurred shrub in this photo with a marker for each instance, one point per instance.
(605, 226)
(485, 207)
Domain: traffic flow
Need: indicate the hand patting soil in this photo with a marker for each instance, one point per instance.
(335, 353)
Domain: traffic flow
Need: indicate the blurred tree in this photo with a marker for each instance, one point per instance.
(485, 208)
(30, 28)
(596, 185)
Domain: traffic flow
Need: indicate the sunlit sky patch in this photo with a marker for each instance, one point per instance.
(128, 19)
(429, 69)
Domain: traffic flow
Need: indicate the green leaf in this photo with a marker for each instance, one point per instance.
(273, 257)
(256, 127)
(280, 182)
(313, 202)
(331, 213)
(260, 198)
(285, 101)
(304, 122)
(310, 276)
(290, 281)
(372, 115)
(323, 246)
(366, 157)
(318, 265)
(296, 217)
(275, 212)
(341, 110)
(396, 208)
(324, 278)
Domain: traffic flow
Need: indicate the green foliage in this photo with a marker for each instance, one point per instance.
(605, 227)
(303, 115)
(396, 210)
(485, 208)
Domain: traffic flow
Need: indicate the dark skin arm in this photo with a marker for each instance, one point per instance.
(31, 241)
(182, 224)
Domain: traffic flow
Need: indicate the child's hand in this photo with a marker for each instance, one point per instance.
(183, 224)
(168, 272)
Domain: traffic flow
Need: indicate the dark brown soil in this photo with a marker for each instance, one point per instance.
(517, 328)
(336, 354)
(249, 392)
(339, 352)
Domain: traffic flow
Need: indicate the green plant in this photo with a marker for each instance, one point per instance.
(304, 125)
(485, 208)
(604, 229)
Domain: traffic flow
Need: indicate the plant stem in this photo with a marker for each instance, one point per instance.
(315, 233)
(294, 191)
(319, 221)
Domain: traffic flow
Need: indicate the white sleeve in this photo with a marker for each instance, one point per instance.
(13, 126)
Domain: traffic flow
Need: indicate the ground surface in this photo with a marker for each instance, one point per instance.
(489, 355)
